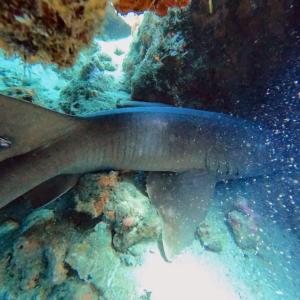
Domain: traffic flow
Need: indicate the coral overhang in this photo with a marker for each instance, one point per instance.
(160, 7)
(51, 31)
(54, 31)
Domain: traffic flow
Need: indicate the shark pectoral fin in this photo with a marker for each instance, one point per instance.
(50, 190)
(25, 126)
(182, 200)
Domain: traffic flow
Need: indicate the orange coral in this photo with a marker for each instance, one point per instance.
(107, 184)
(160, 7)
(109, 180)
(100, 204)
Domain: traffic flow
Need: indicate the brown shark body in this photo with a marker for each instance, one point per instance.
(39, 144)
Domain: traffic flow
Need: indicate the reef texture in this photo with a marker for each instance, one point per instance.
(92, 84)
(54, 31)
(20, 92)
(127, 209)
(91, 90)
(160, 7)
(216, 57)
(84, 246)
(48, 30)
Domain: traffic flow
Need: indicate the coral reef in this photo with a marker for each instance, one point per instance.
(136, 220)
(74, 290)
(93, 193)
(49, 31)
(35, 83)
(130, 213)
(94, 88)
(36, 258)
(219, 60)
(160, 7)
(7, 227)
(73, 243)
(20, 92)
(104, 269)
(154, 57)
(215, 55)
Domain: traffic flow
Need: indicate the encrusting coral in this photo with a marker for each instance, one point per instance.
(160, 7)
(52, 31)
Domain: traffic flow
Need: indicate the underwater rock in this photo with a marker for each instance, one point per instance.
(153, 58)
(50, 258)
(136, 220)
(130, 212)
(96, 263)
(213, 58)
(49, 31)
(78, 258)
(35, 262)
(93, 90)
(52, 253)
(7, 227)
(245, 230)
(208, 238)
(74, 290)
(20, 92)
(242, 205)
(93, 193)
(39, 217)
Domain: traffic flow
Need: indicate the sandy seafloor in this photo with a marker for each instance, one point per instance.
(271, 272)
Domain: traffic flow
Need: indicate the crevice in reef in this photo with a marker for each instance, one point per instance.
(82, 220)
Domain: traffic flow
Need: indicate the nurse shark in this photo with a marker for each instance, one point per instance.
(185, 151)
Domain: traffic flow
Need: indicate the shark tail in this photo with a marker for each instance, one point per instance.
(25, 127)
(31, 152)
